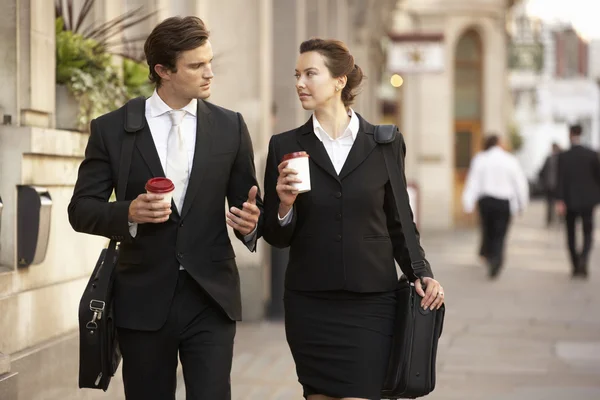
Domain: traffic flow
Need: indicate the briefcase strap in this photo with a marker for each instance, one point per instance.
(418, 264)
(134, 122)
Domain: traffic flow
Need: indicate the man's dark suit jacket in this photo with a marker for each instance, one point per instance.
(345, 232)
(148, 267)
(579, 178)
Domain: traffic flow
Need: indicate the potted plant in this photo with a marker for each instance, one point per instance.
(89, 82)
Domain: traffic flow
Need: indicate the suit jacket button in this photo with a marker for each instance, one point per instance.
(179, 255)
(338, 238)
(338, 217)
(338, 195)
(181, 224)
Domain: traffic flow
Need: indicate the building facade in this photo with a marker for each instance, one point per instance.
(445, 111)
(551, 87)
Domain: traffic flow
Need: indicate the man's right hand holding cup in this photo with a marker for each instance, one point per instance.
(154, 206)
(149, 208)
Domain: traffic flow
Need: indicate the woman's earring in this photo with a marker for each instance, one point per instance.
(337, 89)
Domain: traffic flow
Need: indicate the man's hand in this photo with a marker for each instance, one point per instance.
(244, 221)
(149, 208)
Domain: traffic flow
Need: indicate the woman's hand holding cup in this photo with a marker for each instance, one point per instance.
(285, 190)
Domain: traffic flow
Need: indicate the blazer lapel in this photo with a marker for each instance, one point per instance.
(204, 123)
(362, 147)
(147, 148)
(315, 149)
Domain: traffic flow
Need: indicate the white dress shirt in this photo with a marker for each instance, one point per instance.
(337, 149)
(159, 122)
(496, 173)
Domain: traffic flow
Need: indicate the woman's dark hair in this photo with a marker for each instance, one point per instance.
(340, 62)
(169, 39)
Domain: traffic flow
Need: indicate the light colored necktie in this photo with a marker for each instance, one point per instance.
(177, 158)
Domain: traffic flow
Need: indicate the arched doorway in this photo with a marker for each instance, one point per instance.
(468, 109)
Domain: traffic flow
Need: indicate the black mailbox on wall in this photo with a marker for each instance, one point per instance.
(34, 207)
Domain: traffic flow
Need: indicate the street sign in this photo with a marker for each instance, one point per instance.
(416, 53)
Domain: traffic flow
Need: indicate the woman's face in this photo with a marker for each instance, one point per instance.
(315, 86)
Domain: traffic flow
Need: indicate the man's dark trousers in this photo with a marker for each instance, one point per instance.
(196, 329)
(495, 218)
(579, 260)
(550, 208)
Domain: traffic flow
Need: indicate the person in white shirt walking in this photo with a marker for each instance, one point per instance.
(497, 185)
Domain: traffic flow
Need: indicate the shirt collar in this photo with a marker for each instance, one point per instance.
(353, 126)
(159, 107)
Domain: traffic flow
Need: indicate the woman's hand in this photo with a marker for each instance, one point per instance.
(433, 295)
(286, 192)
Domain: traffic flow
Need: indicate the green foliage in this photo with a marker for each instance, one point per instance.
(135, 77)
(516, 139)
(98, 85)
(74, 52)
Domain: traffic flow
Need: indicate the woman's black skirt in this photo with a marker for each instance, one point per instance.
(340, 340)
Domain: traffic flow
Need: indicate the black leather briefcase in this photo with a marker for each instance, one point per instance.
(99, 354)
(411, 368)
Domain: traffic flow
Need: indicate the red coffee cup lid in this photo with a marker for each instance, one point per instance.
(296, 154)
(160, 185)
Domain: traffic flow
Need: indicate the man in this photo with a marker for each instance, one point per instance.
(177, 288)
(577, 194)
(548, 177)
(497, 184)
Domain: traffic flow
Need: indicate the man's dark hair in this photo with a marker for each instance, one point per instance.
(490, 141)
(169, 39)
(575, 130)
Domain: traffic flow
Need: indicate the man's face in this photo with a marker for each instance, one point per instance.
(194, 73)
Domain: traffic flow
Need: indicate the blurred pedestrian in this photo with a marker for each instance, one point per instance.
(548, 177)
(578, 192)
(497, 185)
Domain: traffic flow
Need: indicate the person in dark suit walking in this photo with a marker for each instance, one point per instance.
(177, 288)
(548, 177)
(578, 192)
(343, 234)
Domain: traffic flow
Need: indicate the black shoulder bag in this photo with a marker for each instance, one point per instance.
(411, 368)
(99, 354)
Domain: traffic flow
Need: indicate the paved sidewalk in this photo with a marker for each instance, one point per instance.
(533, 334)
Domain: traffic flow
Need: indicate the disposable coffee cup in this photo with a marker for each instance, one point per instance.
(161, 186)
(298, 161)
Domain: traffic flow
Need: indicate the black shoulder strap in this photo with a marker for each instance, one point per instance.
(385, 136)
(134, 121)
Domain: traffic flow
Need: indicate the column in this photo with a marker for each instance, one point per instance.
(9, 67)
(34, 99)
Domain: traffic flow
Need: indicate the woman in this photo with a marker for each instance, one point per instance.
(343, 234)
